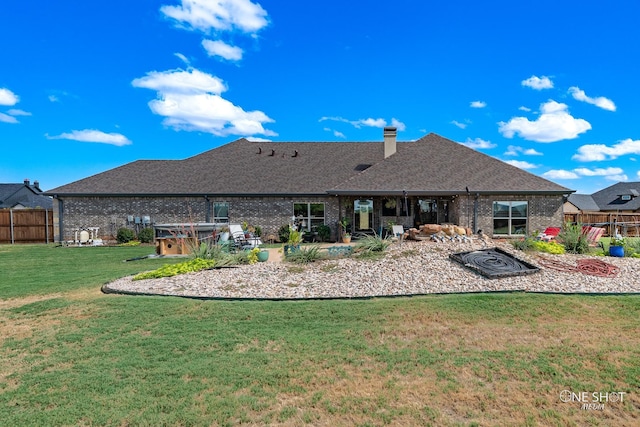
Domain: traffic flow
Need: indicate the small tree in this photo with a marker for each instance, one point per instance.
(125, 235)
(146, 235)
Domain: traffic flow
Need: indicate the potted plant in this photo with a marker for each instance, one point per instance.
(616, 246)
(293, 242)
(346, 236)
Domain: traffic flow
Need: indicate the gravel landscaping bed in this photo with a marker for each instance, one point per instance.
(412, 268)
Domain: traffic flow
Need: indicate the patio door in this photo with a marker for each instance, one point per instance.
(363, 212)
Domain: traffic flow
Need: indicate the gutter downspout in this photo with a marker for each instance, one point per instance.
(475, 213)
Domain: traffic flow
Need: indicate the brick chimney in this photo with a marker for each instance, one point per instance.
(389, 141)
(27, 182)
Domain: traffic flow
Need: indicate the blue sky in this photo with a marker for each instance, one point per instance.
(551, 87)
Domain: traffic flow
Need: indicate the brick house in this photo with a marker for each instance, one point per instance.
(429, 180)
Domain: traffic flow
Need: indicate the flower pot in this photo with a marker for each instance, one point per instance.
(263, 256)
(617, 251)
(288, 249)
(346, 239)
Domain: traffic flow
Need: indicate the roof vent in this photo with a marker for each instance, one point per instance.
(259, 150)
(361, 167)
(273, 152)
(295, 153)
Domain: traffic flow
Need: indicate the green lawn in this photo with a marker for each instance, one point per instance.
(70, 355)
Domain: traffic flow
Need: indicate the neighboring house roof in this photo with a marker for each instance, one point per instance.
(583, 202)
(610, 198)
(24, 195)
(432, 164)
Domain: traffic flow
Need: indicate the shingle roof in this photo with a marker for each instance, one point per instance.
(25, 195)
(434, 164)
(608, 199)
(584, 202)
(431, 164)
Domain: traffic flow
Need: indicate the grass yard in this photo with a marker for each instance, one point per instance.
(70, 355)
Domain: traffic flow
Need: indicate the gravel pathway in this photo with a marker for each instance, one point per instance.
(413, 268)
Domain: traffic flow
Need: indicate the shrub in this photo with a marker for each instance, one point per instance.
(324, 232)
(523, 244)
(305, 255)
(146, 235)
(373, 244)
(283, 233)
(193, 265)
(548, 247)
(572, 239)
(125, 235)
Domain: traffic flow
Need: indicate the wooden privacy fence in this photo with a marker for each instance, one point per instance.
(26, 226)
(628, 224)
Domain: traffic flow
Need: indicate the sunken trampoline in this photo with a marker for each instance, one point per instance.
(494, 263)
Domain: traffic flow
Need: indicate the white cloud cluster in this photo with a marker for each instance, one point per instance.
(601, 101)
(554, 124)
(478, 104)
(217, 16)
(478, 144)
(220, 15)
(599, 152)
(7, 97)
(92, 135)
(514, 150)
(223, 50)
(458, 124)
(538, 83)
(521, 164)
(369, 122)
(611, 174)
(190, 100)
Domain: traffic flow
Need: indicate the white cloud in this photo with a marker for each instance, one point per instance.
(617, 178)
(256, 139)
(560, 174)
(599, 152)
(182, 58)
(538, 83)
(478, 104)
(370, 122)
(478, 143)
(223, 50)
(457, 123)
(92, 135)
(7, 97)
(521, 164)
(513, 150)
(339, 134)
(16, 112)
(398, 124)
(218, 15)
(523, 108)
(554, 124)
(190, 100)
(601, 101)
(5, 118)
(192, 81)
(54, 98)
(598, 171)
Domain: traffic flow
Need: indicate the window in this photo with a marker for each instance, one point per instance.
(510, 218)
(220, 212)
(309, 215)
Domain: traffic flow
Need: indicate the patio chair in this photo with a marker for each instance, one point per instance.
(549, 234)
(241, 241)
(593, 234)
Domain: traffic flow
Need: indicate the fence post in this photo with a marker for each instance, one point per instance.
(11, 225)
(46, 224)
